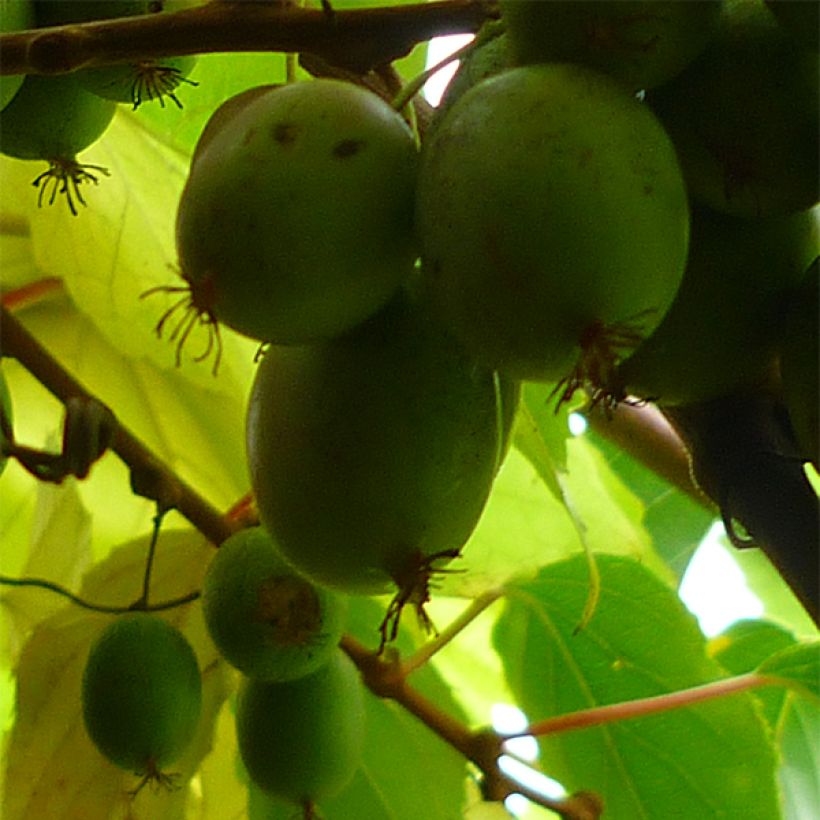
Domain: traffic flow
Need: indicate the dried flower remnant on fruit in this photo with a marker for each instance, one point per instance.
(291, 607)
(414, 583)
(64, 178)
(153, 81)
(194, 313)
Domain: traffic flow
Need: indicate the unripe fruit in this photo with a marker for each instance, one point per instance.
(141, 693)
(642, 44)
(800, 366)
(53, 118)
(723, 328)
(302, 740)
(296, 223)
(264, 618)
(15, 15)
(374, 453)
(553, 220)
(137, 83)
(744, 117)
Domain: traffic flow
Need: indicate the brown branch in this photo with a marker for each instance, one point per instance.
(386, 679)
(150, 477)
(359, 39)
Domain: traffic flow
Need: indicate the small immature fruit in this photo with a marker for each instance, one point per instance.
(744, 117)
(296, 223)
(15, 15)
(141, 693)
(373, 454)
(53, 118)
(140, 82)
(302, 740)
(266, 620)
(643, 43)
(553, 220)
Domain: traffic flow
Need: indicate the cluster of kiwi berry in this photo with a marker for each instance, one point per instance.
(55, 117)
(614, 196)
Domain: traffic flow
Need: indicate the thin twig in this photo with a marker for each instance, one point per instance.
(149, 476)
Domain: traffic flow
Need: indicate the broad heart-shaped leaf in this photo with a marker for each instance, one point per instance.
(794, 718)
(798, 665)
(52, 770)
(407, 771)
(710, 760)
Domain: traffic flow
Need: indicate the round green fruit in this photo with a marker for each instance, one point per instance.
(642, 43)
(723, 328)
(800, 365)
(296, 223)
(744, 117)
(302, 740)
(266, 620)
(53, 118)
(136, 83)
(553, 220)
(141, 693)
(374, 453)
(15, 15)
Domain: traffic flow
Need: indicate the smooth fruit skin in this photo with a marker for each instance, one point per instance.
(264, 618)
(374, 450)
(15, 15)
(302, 740)
(744, 117)
(141, 693)
(133, 83)
(296, 223)
(53, 117)
(549, 202)
(800, 365)
(726, 322)
(642, 44)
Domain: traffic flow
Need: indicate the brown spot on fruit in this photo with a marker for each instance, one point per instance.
(347, 148)
(285, 133)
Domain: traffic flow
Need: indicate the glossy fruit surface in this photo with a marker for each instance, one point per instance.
(550, 207)
(302, 740)
(800, 365)
(15, 15)
(53, 117)
(643, 44)
(376, 450)
(727, 319)
(744, 117)
(296, 224)
(141, 693)
(264, 618)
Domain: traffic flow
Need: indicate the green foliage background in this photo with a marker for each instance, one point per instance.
(750, 756)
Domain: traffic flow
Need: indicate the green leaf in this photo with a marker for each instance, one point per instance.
(798, 665)
(710, 760)
(51, 767)
(794, 720)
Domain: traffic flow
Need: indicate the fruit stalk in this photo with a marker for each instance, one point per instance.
(356, 39)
